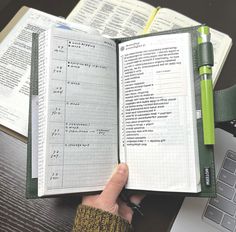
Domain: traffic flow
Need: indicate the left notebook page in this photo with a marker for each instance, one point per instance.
(15, 60)
(77, 112)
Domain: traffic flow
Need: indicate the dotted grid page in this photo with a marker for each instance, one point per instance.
(158, 125)
(81, 132)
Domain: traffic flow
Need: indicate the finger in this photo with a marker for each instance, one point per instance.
(136, 199)
(115, 184)
(125, 211)
(89, 200)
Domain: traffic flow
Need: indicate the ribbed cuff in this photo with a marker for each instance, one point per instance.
(89, 219)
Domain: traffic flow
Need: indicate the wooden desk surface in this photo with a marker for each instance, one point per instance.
(57, 214)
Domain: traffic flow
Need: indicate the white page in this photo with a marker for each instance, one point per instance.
(113, 18)
(167, 19)
(15, 59)
(34, 126)
(158, 135)
(77, 112)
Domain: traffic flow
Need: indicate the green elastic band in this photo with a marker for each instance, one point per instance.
(224, 100)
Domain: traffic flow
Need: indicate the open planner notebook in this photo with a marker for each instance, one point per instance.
(132, 100)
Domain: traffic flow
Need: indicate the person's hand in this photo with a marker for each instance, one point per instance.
(108, 199)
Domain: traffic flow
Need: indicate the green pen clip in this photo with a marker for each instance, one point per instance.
(205, 59)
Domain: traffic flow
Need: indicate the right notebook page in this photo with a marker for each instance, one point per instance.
(158, 135)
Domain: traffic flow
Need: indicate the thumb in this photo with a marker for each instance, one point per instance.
(115, 184)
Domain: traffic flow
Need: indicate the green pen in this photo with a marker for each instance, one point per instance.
(205, 55)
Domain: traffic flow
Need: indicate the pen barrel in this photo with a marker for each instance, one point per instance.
(207, 109)
(206, 61)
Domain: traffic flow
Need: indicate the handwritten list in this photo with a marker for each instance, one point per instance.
(82, 112)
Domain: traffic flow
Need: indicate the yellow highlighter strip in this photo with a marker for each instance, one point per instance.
(149, 22)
